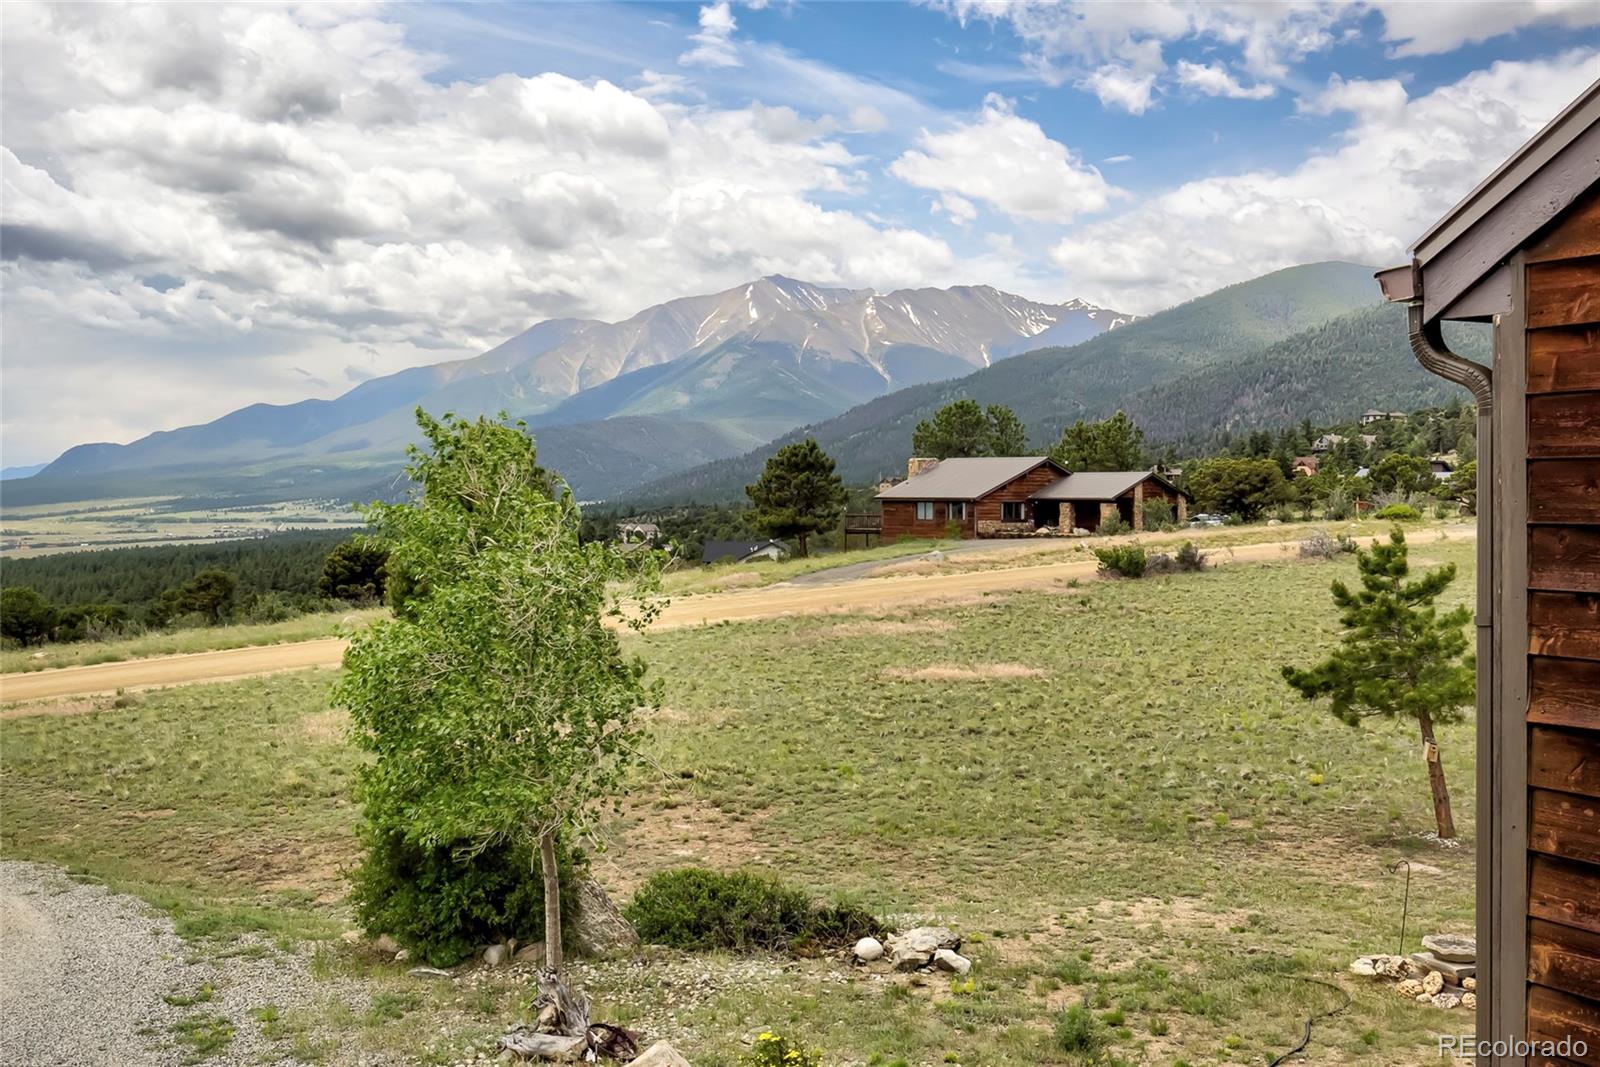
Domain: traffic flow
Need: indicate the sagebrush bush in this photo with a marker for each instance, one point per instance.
(1397, 513)
(1129, 561)
(1113, 526)
(1189, 558)
(1320, 546)
(698, 909)
(1078, 1031)
(1157, 514)
(442, 903)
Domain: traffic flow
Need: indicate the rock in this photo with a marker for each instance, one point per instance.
(557, 1047)
(945, 960)
(869, 949)
(1470, 984)
(1390, 966)
(533, 953)
(599, 928)
(935, 556)
(402, 956)
(1410, 988)
(1446, 1000)
(386, 945)
(914, 949)
(1452, 948)
(1454, 973)
(496, 955)
(429, 972)
(351, 937)
(1274, 522)
(1364, 967)
(1469, 1001)
(1424, 998)
(661, 1054)
(1432, 983)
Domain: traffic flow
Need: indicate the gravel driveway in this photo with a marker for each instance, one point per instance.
(83, 974)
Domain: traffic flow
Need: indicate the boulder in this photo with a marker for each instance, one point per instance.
(1470, 983)
(1410, 989)
(385, 944)
(914, 949)
(661, 1054)
(1446, 1000)
(1454, 973)
(1389, 966)
(1432, 983)
(1424, 998)
(533, 953)
(869, 949)
(496, 955)
(945, 960)
(1469, 1001)
(1363, 967)
(1452, 948)
(599, 928)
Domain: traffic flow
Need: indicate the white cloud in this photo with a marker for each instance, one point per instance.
(1005, 161)
(1421, 29)
(1214, 79)
(265, 189)
(714, 43)
(1401, 164)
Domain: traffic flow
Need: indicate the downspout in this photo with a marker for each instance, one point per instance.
(1427, 344)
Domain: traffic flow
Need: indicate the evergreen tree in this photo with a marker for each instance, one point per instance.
(1113, 444)
(355, 570)
(798, 494)
(26, 617)
(1398, 657)
(1244, 487)
(962, 428)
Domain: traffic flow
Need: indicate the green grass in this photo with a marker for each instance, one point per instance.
(173, 642)
(1150, 826)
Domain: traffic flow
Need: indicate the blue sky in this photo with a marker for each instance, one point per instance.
(209, 205)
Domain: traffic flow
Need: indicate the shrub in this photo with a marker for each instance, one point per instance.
(771, 1050)
(1397, 513)
(1127, 560)
(442, 903)
(1157, 513)
(1190, 558)
(1113, 526)
(1320, 546)
(1078, 1032)
(698, 909)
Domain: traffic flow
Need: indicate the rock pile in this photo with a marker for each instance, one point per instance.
(1443, 974)
(920, 949)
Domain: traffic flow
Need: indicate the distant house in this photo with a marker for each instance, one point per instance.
(1306, 465)
(743, 551)
(1326, 443)
(1373, 415)
(638, 532)
(1444, 464)
(1016, 496)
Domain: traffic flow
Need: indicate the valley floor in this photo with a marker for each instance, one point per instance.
(1105, 785)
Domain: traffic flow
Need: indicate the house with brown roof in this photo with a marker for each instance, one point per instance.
(1017, 496)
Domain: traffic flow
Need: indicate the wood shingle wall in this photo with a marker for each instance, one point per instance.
(1562, 322)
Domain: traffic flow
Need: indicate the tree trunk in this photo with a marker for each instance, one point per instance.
(1441, 792)
(552, 900)
(803, 539)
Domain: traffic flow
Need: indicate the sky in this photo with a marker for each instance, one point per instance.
(206, 206)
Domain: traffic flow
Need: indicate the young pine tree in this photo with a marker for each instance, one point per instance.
(1398, 657)
(798, 494)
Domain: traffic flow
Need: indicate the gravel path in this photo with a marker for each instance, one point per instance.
(83, 973)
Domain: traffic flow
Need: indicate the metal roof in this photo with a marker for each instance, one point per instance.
(966, 478)
(1096, 485)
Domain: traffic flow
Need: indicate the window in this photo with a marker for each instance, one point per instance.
(924, 511)
(958, 512)
(1011, 511)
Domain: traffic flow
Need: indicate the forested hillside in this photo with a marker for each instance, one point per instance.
(288, 563)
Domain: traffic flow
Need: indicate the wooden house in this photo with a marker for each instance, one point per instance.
(1522, 252)
(1016, 496)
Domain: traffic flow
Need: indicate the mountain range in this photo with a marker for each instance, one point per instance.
(685, 400)
(613, 404)
(1304, 342)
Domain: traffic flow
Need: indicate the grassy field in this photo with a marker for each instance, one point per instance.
(1107, 788)
(45, 529)
(174, 642)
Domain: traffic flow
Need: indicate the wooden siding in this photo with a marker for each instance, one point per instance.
(1562, 472)
(900, 520)
(989, 510)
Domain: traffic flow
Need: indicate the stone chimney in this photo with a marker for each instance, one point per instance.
(919, 465)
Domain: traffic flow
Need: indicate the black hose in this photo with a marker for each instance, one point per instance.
(1311, 1020)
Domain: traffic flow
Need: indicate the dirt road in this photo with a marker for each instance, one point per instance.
(773, 601)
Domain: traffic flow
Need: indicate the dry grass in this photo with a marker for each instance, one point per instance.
(949, 672)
